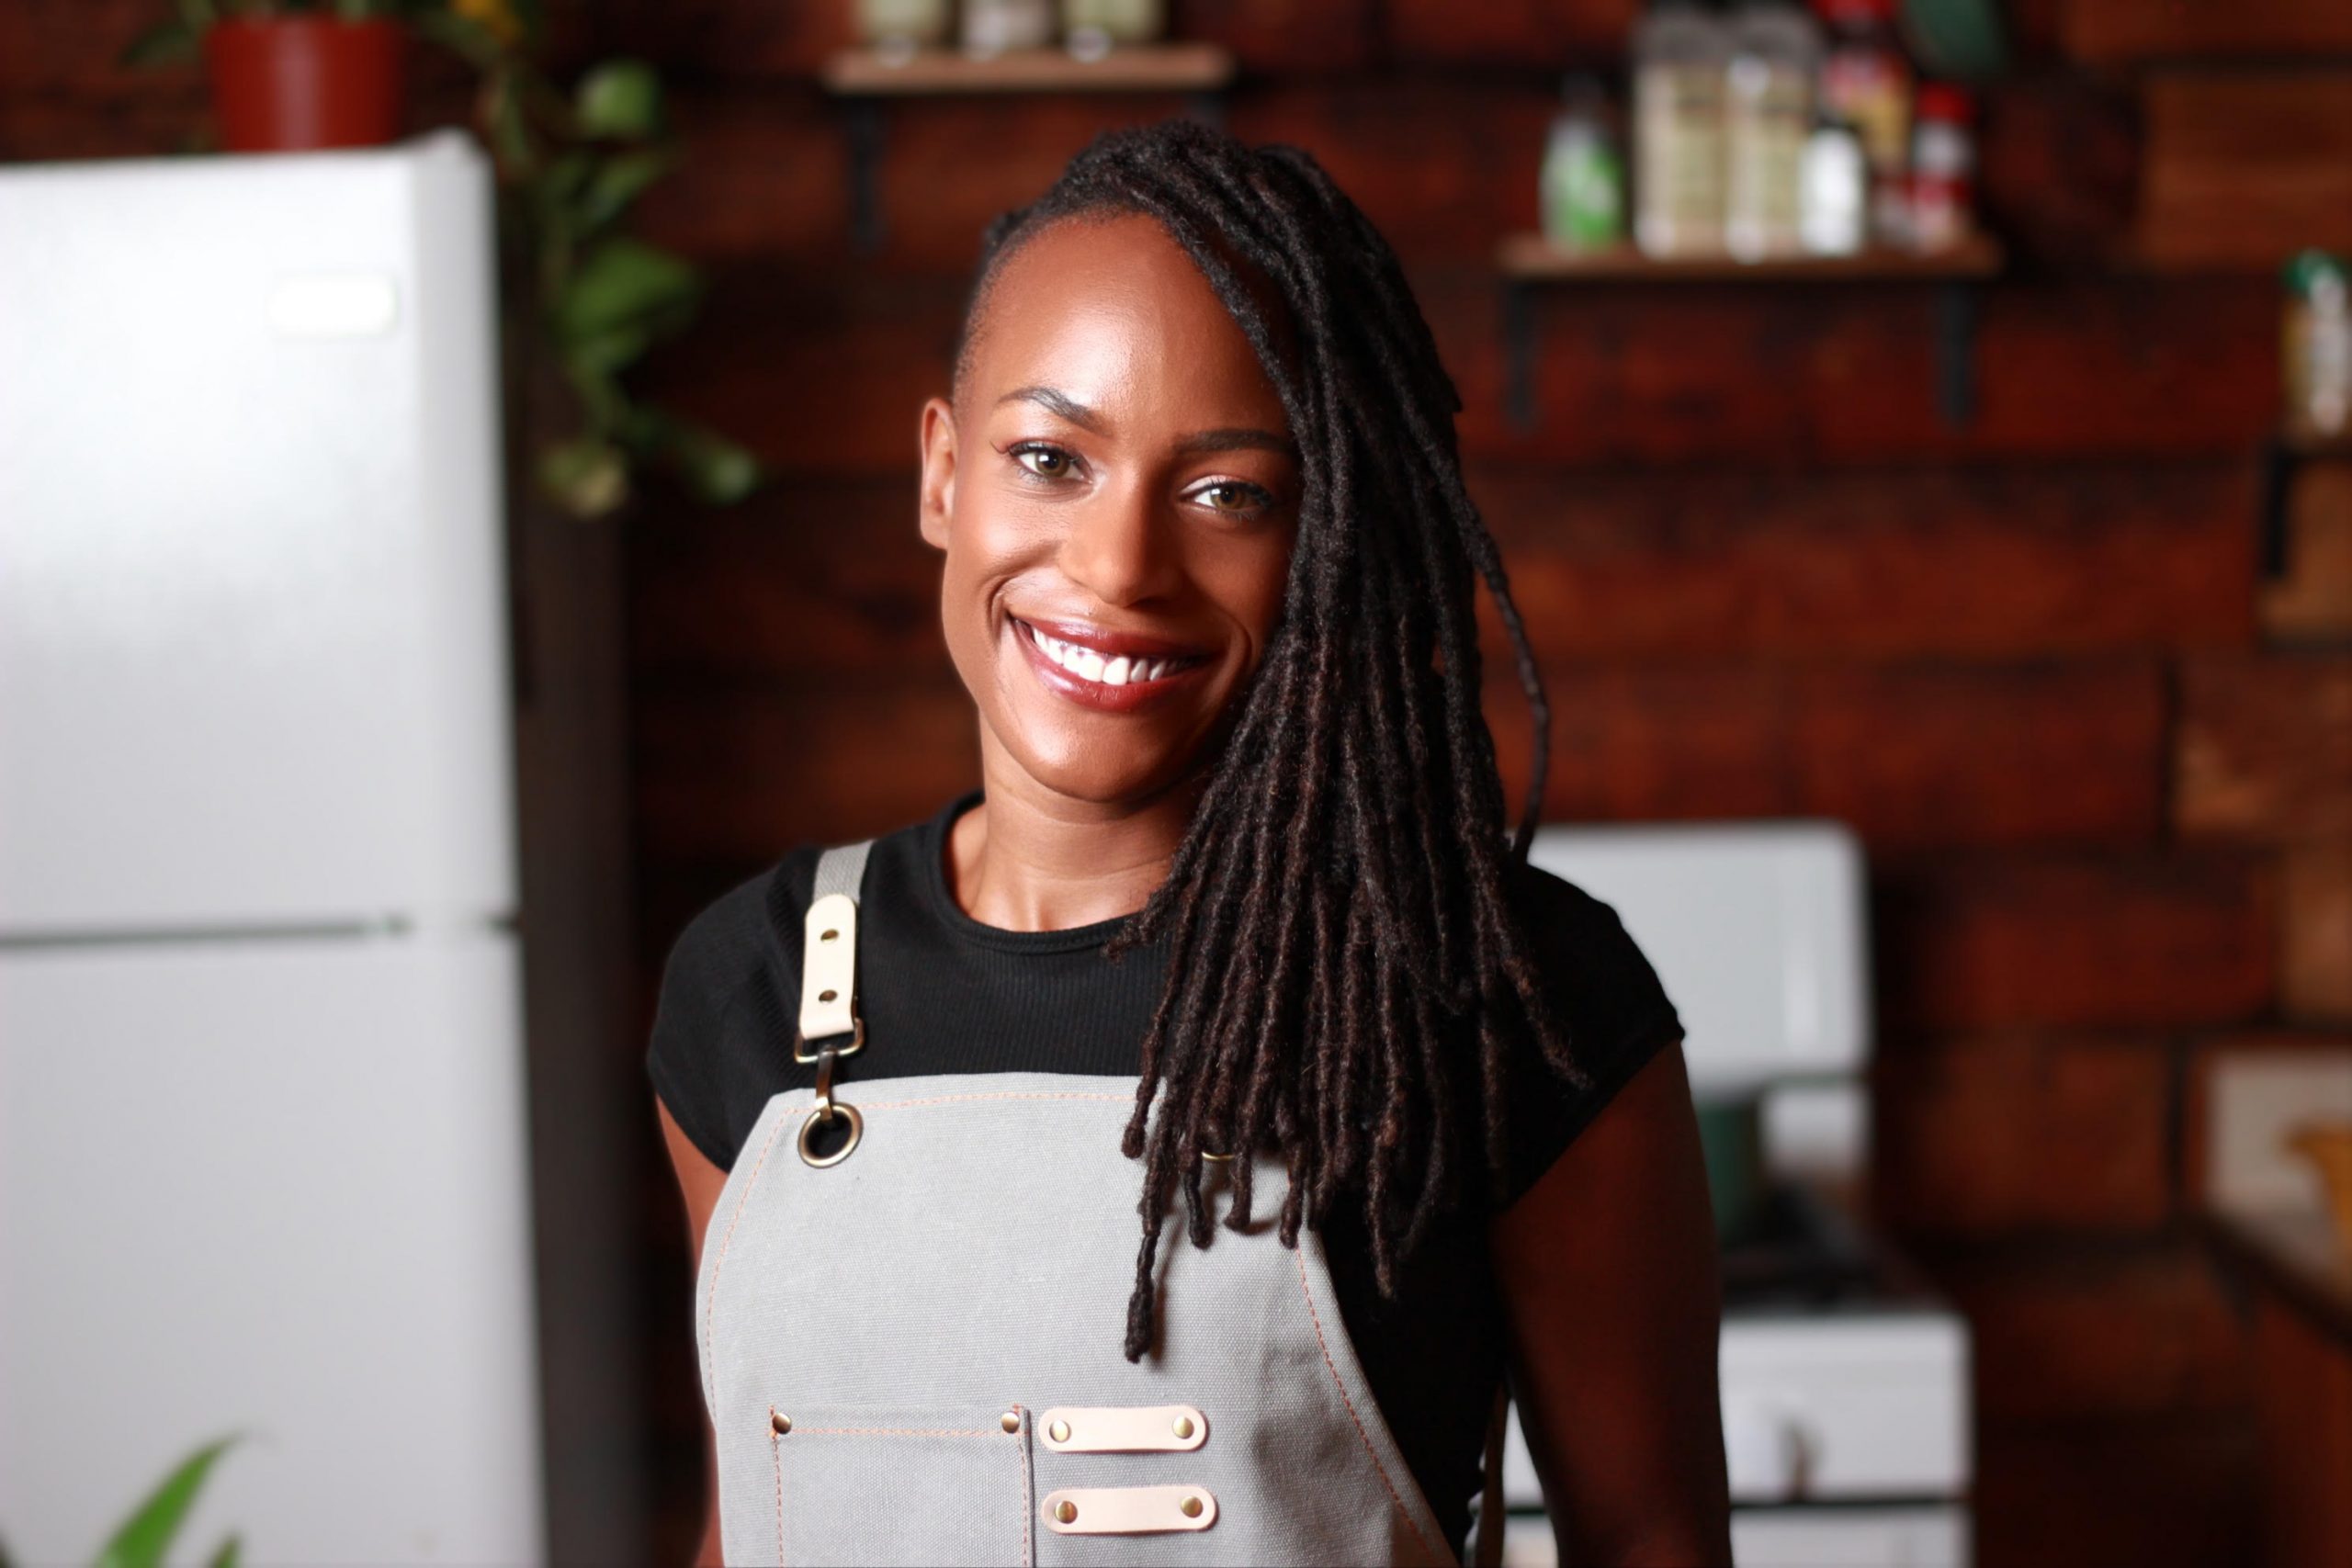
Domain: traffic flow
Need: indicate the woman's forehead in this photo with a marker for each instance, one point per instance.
(1113, 306)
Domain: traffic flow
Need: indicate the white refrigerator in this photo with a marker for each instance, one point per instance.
(263, 1164)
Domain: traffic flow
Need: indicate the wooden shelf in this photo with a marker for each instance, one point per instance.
(1532, 258)
(1531, 261)
(1152, 68)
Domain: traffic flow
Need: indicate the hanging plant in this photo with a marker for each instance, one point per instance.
(571, 167)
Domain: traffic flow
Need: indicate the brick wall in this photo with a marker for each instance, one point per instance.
(2104, 768)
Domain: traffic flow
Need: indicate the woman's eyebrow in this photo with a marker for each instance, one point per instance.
(1236, 438)
(1056, 402)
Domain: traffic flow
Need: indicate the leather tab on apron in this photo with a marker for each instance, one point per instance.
(828, 957)
(1128, 1510)
(1122, 1428)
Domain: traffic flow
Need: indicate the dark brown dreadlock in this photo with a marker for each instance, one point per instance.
(1341, 938)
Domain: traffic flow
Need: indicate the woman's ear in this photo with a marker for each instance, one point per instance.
(938, 496)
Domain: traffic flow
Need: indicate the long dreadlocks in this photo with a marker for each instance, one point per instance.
(1343, 950)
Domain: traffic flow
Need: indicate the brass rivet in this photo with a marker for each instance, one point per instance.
(780, 1421)
(1183, 1426)
(1010, 1420)
(1190, 1507)
(830, 936)
(1066, 1510)
(1058, 1431)
(826, 996)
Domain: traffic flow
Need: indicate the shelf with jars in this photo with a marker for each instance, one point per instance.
(1005, 47)
(1771, 142)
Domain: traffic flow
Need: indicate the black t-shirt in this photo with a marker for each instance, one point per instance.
(940, 992)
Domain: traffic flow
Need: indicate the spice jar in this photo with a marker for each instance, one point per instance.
(1091, 29)
(1768, 114)
(2316, 348)
(1943, 169)
(1680, 55)
(992, 26)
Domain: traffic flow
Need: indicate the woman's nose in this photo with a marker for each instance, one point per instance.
(1118, 547)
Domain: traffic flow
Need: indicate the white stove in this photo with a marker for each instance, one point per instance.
(1844, 1379)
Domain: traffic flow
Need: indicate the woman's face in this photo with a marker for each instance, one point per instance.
(1116, 490)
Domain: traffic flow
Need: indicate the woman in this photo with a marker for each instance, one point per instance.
(1238, 883)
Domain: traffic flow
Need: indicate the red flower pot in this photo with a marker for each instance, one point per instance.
(290, 83)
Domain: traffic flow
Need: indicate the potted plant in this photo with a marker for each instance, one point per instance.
(288, 75)
(141, 1539)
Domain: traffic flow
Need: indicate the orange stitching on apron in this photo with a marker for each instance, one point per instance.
(1007, 1094)
(1028, 1485)
(1316, 1318)
(777, 1452)
(710, 1306)
(898, 1431)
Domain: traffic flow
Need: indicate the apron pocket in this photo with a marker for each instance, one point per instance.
(916, 1483)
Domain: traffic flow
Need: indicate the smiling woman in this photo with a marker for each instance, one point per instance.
(1236, 917)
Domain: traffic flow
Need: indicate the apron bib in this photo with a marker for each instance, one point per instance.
(910, 1342)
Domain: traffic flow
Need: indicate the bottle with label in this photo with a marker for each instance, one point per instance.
(1768, 115)
(1944, 168)
(1836, 191)
(1583, 192)
(992, 26)
(1680, 55)
(1866, 82)
(1091, 29)
(897, 28)
(2316, 348)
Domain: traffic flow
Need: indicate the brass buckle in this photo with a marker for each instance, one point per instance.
(822, 1115)
(802, 1055)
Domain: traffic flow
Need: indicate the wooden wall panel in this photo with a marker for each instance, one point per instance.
(2312, 600)
(2129, 30)
(2013, 1134)
(2139, 1331)
(2144, 1492)
(2057, 941)
(1294, 38)
(1886, 563)
(2265, 747)
(2316, 977)
(1911, 758)
(1530, 34)
(2244, 169)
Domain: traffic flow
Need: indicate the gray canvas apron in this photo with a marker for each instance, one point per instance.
(912, 1354)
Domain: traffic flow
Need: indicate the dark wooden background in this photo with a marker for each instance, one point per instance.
(2103, 767)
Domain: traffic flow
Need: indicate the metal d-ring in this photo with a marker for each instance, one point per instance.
(823, 1112)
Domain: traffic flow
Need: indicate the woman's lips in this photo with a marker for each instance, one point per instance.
(1110, 672)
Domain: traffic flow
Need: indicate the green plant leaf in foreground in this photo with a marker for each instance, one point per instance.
(620, 100)
(147, 1534)
(625, 283)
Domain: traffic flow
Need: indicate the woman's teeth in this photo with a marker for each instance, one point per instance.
(1089, 665)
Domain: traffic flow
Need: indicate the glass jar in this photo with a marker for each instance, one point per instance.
(1680, 55)
(2316, 348)
(1768, 114)
(993, 26)
(1092, 29)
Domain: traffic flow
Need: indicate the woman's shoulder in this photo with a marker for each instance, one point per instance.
(1603, 996)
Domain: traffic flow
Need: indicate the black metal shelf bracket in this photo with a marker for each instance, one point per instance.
(867, 137)
(1957, 306)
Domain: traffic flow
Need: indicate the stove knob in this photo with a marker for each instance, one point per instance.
(1767, 1449)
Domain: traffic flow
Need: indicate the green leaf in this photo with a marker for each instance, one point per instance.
(147, 1534)
(625, 283)
(714, 469)
(228, 1555)
(617, 183)
(605, 353)
(586, 477)
(621, 99)
(166, 43)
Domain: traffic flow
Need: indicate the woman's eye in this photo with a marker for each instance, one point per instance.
(1045, 462)
(1229, 496)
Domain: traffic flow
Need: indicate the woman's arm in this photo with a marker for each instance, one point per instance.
(699, 1182)
(1608, 1272)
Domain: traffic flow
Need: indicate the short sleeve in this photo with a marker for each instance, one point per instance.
(711, 1057)
(1605, 997)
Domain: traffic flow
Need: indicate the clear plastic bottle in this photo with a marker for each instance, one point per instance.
(1583, 194)
(993, 26)
(1768, 114)
(1680, 55)
(2317, 348)
(1836, 191)
(1866, 81)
